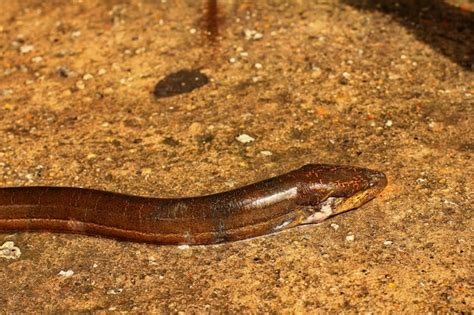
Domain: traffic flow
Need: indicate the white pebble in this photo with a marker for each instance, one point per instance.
(335, 226)
(266, 153)
(68, 273)
(232, 60)
(26, 49)
(87, 76)
(9, 251)
(183, 247)
(350, 237)
(80, 85)
(386, 243)
(114, 291)
(102, 71)
(421, 180)
(244, 138)
(258, 66)
(76, 34)
(252, 34)
(37, 59)
(7, 92)
(389, 123)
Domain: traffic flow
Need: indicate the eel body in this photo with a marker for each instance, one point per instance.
(306, 195)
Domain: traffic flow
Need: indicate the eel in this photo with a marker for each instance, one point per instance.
(306, 195)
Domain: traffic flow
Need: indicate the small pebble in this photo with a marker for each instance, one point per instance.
(64, 72)
(108, 91)
(244, 138)
(316, 73)
(258, 66)
(26, 49)
(386, 243)
(67, 273)
(421, 180)
(252, 34)
(146, 171)
(76, 34)
(345, 78)
(350, 237)
(66, 93)
(152, 261)
(195, 129)
(7, 92)
(37, 59)
(102, 71)
(335, 226)
(87, 76)
(232, 60)
(183, 247)
(80, 85)
(91, 156)
(114, 291)
(388, 123)
(266, 153)
(8, 250)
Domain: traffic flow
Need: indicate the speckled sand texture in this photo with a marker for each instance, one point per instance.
(389, 87)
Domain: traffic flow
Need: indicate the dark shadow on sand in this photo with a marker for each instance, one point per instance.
(447, 29)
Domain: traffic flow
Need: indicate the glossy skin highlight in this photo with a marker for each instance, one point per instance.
(309, 194)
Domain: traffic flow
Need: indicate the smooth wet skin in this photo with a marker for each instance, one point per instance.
(309, 194)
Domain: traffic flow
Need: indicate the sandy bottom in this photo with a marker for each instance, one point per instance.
(388, 87)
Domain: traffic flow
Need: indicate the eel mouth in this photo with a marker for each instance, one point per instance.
(376, 182)
(336, 205)
(358, 199)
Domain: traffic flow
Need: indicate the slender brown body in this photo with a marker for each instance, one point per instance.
(306, 195)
